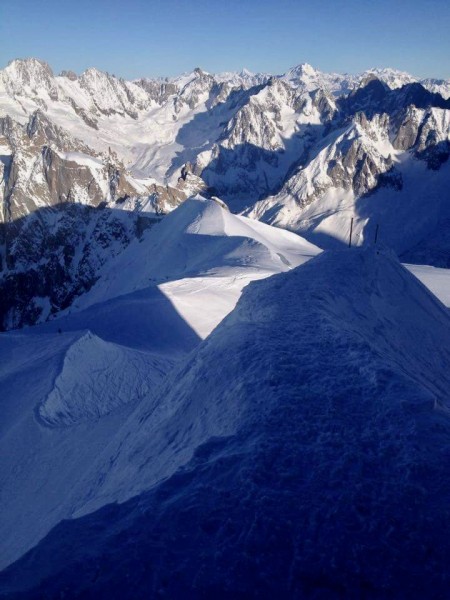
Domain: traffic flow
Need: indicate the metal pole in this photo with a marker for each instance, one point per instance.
(376, 233)
(351, 231)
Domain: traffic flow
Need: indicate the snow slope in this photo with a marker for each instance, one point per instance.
(200, 255)
(63, 396)
(96, 378)
(435, 279)
(301, 451)
(68, 386)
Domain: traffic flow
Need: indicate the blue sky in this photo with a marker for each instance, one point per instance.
(165, 37)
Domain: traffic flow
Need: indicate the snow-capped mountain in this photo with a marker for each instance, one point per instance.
(338, 84)
(387, 170)
(65, 210)
(305, 150)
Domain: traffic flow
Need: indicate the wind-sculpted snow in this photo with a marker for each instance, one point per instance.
(96, 378)
(300, 451)
(65, 393)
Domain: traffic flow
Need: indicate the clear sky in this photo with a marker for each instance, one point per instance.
(133, 38)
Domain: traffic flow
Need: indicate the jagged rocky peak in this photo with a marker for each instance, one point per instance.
(355, 161)
(408, 128)
(309, 78)
(158, 90)
(243, 79)
(29, 69)
(95, 81)
(193, 88)
(69, 74)
(41, 131)
(29, 75)
(246, 73)
(373, 127)
(111, 95)
(368, 96)
(439, 86)
(10, 130)
(189, 183)
(417, 94)
(325, 103)
(371, 88)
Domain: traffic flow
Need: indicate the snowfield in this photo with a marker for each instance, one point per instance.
(73, 389)
(201, 256)
(79, 377)
(300, 450)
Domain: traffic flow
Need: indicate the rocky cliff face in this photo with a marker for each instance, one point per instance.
(66, 210)
(373, 165)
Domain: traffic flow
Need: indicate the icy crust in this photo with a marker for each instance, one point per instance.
(300, 451)
(96, 378)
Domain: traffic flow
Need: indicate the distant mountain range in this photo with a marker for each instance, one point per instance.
(88, 161)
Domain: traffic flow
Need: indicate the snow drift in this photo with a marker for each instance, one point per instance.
(301, 451)
(96, 378)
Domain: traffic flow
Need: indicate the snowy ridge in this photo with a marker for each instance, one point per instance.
(200, 239)
(320, 429)
(362, 171)
(152, 304)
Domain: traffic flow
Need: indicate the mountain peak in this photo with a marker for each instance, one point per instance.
(30, 63)
(29, 69)
(302, 70)
(69, 74)
(31, 74)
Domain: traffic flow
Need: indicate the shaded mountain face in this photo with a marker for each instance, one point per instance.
(311, 435)
(306, 151)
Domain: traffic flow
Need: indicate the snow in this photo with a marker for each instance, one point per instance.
(101, 404)
(435, 279)
(204, 252)
(237, 356)
(96, 378)
(311, 204)
(83, 159)
(64, 395)
(274, 455)
(79, 377)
